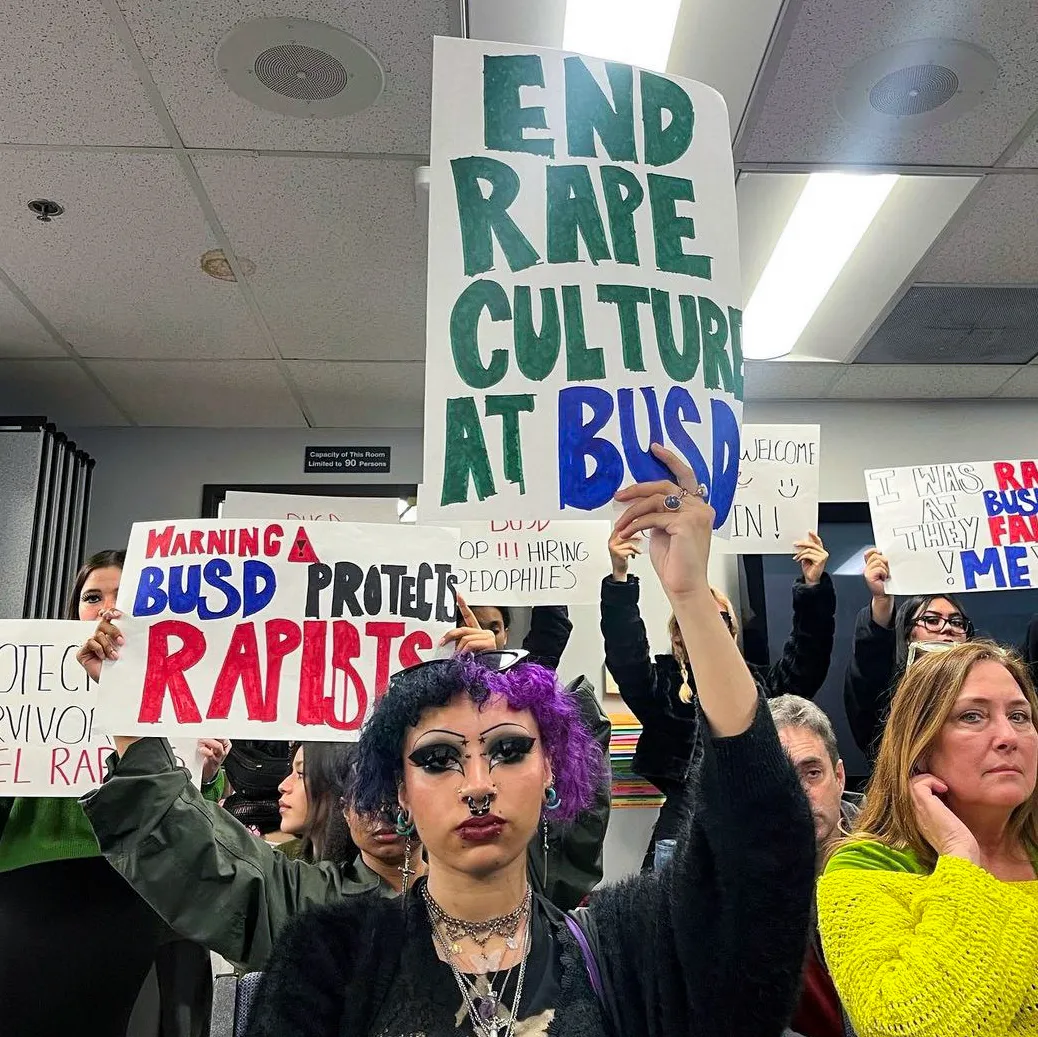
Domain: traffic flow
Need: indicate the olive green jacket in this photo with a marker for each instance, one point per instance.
(215, 883)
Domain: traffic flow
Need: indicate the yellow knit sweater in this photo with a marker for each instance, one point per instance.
(952, 953)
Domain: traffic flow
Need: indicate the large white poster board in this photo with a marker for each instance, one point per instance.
(971, 526)
(584, 290)
(272, 629)
(518, 563)
(242, 504)
(49, 742)
(776, 502)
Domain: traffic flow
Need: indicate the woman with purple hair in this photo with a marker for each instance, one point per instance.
(480, 752)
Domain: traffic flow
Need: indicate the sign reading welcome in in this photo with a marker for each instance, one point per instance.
(971, 526)
(583, 284)
(272, 629)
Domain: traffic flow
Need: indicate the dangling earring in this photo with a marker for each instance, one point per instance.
(407, 871)
(404, 824)
(544, 829)
(551, 799)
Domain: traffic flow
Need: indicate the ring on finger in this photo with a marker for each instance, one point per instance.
(672, 502)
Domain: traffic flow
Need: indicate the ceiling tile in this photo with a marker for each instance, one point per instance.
(21, 335)
(179, 43)
(799, 121)
(359, 395)
(995, 241)
(920, 381)
(59, 389)
(339, 248)
(65, 78)
(1022, 386)
(210, 394)
(1027, 156)
(788, 380)
(118, 275)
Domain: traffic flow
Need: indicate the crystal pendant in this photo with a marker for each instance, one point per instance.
(512, 943)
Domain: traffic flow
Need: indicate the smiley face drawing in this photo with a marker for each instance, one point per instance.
(793, 490)
(743, 481)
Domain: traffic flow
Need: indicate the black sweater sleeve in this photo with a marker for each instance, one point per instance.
(714, 943)
(808, 650)
(869, 682)
(627, 653)
(548, 636)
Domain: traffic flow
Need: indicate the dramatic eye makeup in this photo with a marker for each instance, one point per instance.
(437, 757)
(509, 748)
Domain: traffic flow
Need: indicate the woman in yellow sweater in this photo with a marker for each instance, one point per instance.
(929, 912)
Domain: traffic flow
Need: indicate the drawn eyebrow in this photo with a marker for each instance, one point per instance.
(442, 731)
(509, 723)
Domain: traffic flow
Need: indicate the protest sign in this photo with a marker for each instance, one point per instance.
(49, 743)
(273, 629)
(776, 502)
(537, 562)
(971, 526)
(584, 287)
(242, 504)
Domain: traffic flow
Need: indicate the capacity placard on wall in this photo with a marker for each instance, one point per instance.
(272, 630)
(971, 526)
(776, 503)
(584, 285)
(535, 562)
(49, 742)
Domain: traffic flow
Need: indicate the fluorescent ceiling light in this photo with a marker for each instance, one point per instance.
(637, 33)
(829, 220)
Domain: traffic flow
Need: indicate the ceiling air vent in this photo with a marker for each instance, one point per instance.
(300, 68)
(916, 85)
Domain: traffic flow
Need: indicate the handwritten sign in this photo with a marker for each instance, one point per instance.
(272, 629)
(777, 499)
(49, 743)
(584, 286)
(542, 562)
(243, 504)
(971, 526)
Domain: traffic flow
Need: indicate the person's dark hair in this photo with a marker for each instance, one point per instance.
(506, 615)
(576, 759)
(327, 767)
(102, 560)
(907, 611)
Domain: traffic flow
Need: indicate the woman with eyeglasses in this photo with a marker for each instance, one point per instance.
(479, 751)
(661, 692)
(883, 637)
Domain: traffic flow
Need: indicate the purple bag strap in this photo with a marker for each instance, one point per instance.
(589, 955)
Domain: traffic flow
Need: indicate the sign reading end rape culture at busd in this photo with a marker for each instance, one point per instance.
(272, 629)
(971, 526)
(583, 284)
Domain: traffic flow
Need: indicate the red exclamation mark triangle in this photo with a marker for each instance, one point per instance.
(302, 550)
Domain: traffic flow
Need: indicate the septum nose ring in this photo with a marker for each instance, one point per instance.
(483, 808)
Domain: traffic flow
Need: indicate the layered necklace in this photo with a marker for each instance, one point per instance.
(484, 1006)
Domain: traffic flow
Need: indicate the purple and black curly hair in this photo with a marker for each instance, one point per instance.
(577, 764)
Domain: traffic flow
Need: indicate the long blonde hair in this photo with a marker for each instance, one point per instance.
(678, 644)
(922, 703)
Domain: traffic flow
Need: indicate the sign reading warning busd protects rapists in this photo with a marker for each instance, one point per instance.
(269, 629)
(584, 285)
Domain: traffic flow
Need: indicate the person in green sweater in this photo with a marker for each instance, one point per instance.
(58, 895)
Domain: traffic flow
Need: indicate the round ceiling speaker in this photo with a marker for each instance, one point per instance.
(914, 86)
(301, 68)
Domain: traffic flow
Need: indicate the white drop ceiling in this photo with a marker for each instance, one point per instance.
(115, 109)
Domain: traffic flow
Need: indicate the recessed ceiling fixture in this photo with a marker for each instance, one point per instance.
(913, 86)
(215, 264)
(618, 30)
(300, 68)
(45, 209)
(828, 221)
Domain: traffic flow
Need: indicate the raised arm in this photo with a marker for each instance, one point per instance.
(869, 681)
(205, 874)
(548, 635)
(808, 650)
(713, 943)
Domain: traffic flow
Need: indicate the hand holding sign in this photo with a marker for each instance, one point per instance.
(470, 637)
(680, 543)
(213, 752)
(877, 572)
(812, 556)
(103, 644)
(621, 551)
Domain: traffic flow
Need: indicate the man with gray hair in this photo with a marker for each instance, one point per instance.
(807, 735)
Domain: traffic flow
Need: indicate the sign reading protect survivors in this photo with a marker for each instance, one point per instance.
(971, 526)
(272, 630)
(584, 284)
